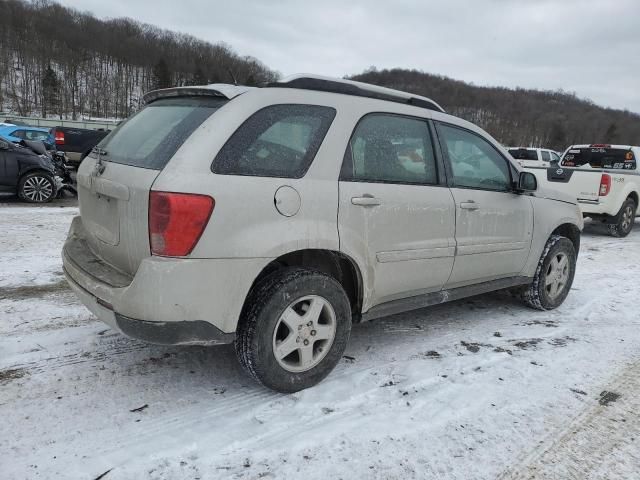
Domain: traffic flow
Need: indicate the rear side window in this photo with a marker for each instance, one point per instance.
(600, 157)
(152, 136)
(277, 141)
(390, 149)
(523, 154)
(546, 156)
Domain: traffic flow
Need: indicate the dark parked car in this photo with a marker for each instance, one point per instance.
(26, 171)
(76, 143)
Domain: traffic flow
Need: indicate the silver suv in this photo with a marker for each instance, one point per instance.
(276, 217)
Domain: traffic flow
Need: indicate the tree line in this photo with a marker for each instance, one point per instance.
(58, 61)
(517, 117)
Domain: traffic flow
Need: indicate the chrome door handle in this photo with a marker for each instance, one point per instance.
(366, 201)
(470, 205)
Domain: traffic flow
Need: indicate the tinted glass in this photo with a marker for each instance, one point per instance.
(546, 156)
(523, 154)
(600, 157)
(277, 141)
(390, 148)
(35, 135)
(475, 163)
(17, 134)
(151, 137)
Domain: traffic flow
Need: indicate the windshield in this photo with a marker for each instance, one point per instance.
(600, 157)
(152, 136)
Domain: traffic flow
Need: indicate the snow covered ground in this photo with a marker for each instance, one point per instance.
(478, 389)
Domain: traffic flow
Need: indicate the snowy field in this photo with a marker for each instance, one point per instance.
(478, 389)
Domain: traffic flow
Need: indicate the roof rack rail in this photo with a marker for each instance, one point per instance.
(358, 89)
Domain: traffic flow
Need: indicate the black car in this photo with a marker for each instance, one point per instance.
(26, 170)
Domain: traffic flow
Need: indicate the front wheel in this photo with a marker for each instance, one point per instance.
(554, 275)
(37, 187)
(626, 217)
(294, 329)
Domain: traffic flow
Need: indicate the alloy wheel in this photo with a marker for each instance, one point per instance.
(304, 333)
(37, 189)
(557, 275)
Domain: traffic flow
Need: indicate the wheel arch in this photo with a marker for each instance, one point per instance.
(34, 169)
(570, 231)
(634, 196)
(333, 263)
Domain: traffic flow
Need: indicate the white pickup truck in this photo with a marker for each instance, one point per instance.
(605, 180)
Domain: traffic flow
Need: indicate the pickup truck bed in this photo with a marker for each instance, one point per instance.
(76, 143)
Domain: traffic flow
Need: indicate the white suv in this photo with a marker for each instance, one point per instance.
(277, 216)
(534, 157)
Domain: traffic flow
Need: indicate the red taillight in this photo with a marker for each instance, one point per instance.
(59, 138)
(605, 184)
(176, 221)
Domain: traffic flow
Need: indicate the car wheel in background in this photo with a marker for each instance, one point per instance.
(554, 275)
(626, 217)
(37, 187)
(294, 329)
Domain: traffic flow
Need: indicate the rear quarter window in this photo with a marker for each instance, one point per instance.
(277, 141)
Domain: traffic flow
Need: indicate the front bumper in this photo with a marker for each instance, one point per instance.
(168, 300)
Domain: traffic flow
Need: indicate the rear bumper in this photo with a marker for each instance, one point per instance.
(595, 207)
(168, 300)
(196, 332)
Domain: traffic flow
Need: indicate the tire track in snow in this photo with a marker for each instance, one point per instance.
(601, 442)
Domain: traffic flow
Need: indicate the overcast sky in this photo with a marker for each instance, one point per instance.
(591, 47)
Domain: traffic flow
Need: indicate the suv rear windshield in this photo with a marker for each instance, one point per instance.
(153, 135)
(277, 141)
(523, 154)
(600, 157)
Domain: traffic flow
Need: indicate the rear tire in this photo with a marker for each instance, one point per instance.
(37, 187)
(554, 275)
(294, 329)
(626, 216)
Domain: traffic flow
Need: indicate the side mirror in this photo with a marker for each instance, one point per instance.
(527, 182)
(554, 161)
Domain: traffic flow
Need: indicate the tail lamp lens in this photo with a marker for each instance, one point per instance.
(176, 222)
(605, 185)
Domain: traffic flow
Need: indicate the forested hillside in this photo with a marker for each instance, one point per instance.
(518, 117)
(57, 61)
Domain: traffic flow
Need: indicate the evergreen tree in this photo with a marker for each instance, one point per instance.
(611, 135)
(50, 92)
(161, 75)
